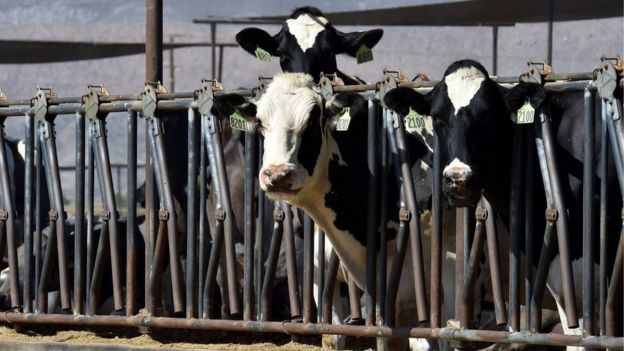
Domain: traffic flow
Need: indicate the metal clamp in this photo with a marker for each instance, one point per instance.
(606, 77)
(4, 215)
(404, 214)
(40, 105)
(220, 214)
(391, 79)
(91, 101)
(257, 92)
(150, 98)
(278, 214)
(326, 87)
(205, 96)
(52, 215)
(481, 214)
(552, 214)
(163, 215)
(537, 72)
(106, 215)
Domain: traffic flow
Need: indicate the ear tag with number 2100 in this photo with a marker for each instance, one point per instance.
(342, 124)
(414, 120)
(237, 121)
(525, 114)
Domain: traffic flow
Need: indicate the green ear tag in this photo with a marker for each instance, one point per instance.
(342, 124)
(263, 55)
(237, 121)
(364, 54)
(525, 114)
(414, 120)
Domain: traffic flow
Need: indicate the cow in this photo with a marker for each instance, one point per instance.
(471, 114)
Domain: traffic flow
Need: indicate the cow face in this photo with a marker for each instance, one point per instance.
(295, 124)
(307, 43)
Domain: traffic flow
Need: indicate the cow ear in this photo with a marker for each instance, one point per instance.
(401, 99)
(225, 105)
(517, 96)
(252, 38)
(335, 107)
(351, 42)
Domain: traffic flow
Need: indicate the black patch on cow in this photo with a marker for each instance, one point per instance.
(311, 141)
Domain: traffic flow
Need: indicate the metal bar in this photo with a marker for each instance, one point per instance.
(156, 269)
(153, 40)
(494, 260)
(103, 249)
(320, 274)
(395, 269)
(79, 237)
(42, 291)
(47, 138)
(191, 218)
(549, 48)
(354, 300)
(90, 223)
(494, 49)
(371, 228)
(414, 225)
(604, 195)
(608, 109)
(9, 207)
(28, 215)
(271, 265)
(589, 141)
(567, 279)
(515, 228)
(220, 72)
(38, 192)
(211, 273)
(259, 236)
(250, 166)
(329, 285)
(436, 239)
(460, 259)
(383, 219)
(203, 222)
(308, 268)
(131, 258)
(467, 296)
(291, 263)
(315, 329)
(213, 48)
(615, 289)
(528, 226)
(100, 145)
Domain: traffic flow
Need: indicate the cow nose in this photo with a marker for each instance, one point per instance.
(457, 175)
(278, 177)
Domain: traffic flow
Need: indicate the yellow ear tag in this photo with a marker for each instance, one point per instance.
(364, 54)
(262, 54)
(525, 114)
(237, 121)
(414, 120)
(342, 124)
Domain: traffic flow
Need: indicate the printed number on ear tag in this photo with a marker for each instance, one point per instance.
(525, 114)
(237, 121)
(342, 124)
(414, 120)
(262, 54)
(364, 54)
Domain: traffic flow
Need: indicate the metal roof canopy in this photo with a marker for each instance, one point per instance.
(37, 51)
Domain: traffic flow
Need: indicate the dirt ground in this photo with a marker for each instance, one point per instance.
(164, 339)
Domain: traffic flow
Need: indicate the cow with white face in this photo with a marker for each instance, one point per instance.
(308, 43)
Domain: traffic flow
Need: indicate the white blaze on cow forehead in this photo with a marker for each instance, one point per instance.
(456, 166)
(462, 85)
(305, 28)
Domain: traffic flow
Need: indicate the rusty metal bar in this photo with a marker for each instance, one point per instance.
(467, 296)
(211, 273)
(515, 228)
(460, 259)
(156, 269)
(9, 207)
(42, 291)
(589, 141)
(567, 279)
(383, 218)
(191, 218)
(37, 157)
(315, 329)
(251, 142)
(604, 195)
(372, 206)
(615, 288)
(528, 226)
(329, 285)
(271, 265)
(91, 244)
(436, 239)
(354, 300)
(79, 237)
(308, 268)
(397, 265)
(103, 249)
(131, 258)
(28, 215)
(494, 260)
(260, 237)
(203, 239)
(291, 263)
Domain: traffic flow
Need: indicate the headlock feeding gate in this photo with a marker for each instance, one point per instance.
(194, 270)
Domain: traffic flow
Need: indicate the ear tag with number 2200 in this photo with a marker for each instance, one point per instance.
(237, 121)
(342, 124)
(262, 54)
(414, 120)
(525, 114)
(364, 54)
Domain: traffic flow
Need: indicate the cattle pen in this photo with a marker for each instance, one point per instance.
(211, 259)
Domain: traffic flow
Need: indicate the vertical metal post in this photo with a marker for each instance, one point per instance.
(371, 230)
(329, 285)
(79, 240)
(291, 262)
(37, 239)
(588, 211)
(191, 218)
(308, 268)
(551, 19)
(131, 253)
(494, 260)
(604, 195)
(28, 214)
(515, 228)
(528, 225)
(467, 296)
(494, 50)
(271, 265)
(248, 272)
(213, 49)
(91, 244)
(203, 223)
(259, 237)
(436, 239)
(383, 215)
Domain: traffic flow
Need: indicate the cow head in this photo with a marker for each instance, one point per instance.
(307, 43)
(295, 123)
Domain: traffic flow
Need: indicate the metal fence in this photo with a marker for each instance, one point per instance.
(193, 282)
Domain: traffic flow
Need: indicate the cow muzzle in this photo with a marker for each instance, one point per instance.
(278, 179)
(459, 186)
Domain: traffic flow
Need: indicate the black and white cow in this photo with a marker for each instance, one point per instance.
(308, 43)
(471, 114)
